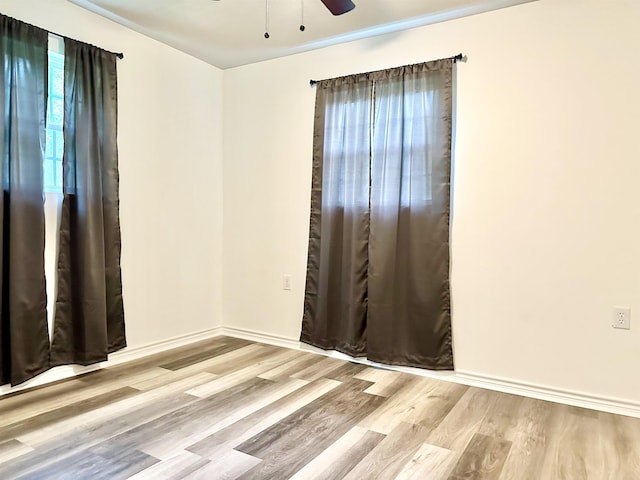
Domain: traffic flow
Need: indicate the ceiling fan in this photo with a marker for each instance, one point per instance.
(337, 7)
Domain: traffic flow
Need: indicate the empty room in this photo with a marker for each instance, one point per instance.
(320, 239)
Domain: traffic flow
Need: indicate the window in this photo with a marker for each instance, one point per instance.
(381, 129)
(55, 117)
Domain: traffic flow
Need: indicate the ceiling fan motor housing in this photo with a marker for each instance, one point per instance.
(338, 7)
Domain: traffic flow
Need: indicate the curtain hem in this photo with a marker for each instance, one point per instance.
(426, 364)
(117, 347)
(29, 376)
(84, 363)
(331, 345)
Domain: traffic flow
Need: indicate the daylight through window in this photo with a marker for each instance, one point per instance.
(55, 118)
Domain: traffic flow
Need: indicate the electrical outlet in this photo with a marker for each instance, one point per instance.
(621, 318)
(286, 282)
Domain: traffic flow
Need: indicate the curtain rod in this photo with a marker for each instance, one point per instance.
(456, 58)
(120, 55)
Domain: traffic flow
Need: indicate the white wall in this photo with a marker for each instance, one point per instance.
(170, 146)
(546, 225)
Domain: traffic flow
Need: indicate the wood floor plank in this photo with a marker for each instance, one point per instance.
(345, 372)
(528, 437)
(120, 375)
(340, 457)
(143, 407)
(456, 430)
(436, 403)
(288, 446)
(84, 436)
(565, 453)
(377, 375)
(316, 414)
(200, 355)
(240, 349)
(483, 459)
(392, 454)
(38, 400)
(171, 376)
(76, 391)
(167, 376)
(178, 466)
(619, 438)
(247, 360)
(385, 382)
(229, 465)
(12, 449)
(87, 464)
(430, 462)
(255, 423)
(211, 364)
(160, 358)
(293, 366)
(97, 467)
(321, 368)
(223, 382)
(36, 422)
(502, 416)
(224, 416)
(188, 419)
(582, 446)
(400, 405)
(62, 440)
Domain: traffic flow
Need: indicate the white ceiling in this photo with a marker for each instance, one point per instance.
(230, 33)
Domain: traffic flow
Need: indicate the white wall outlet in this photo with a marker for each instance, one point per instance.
(286, 282)
(621, 318)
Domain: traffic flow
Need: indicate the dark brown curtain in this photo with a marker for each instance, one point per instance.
(398, 249)
(24, 337)
(89, 317)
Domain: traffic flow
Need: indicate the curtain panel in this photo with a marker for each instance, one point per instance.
(339, 226)
(378, 260)
(89, 317)
(24, 337)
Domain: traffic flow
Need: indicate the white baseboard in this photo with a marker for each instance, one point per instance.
(267, 338)
(126, 355)
(541, 392)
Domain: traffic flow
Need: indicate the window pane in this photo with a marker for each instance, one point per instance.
(57, 81)
(49, 144)
(59, 144)
(58, 178)
(57, 109)
(55, 119)
(48, 174)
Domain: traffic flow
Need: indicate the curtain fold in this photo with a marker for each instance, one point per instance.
(24, 337)
(89, 317)
(390, 166)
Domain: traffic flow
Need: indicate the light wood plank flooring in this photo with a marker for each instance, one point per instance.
(233, 409)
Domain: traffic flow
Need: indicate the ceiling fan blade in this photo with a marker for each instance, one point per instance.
(338, 7)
